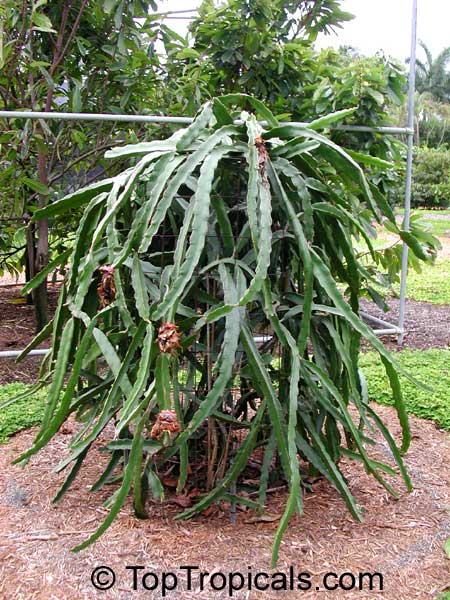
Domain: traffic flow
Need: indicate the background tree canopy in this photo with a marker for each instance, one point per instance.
(120, 57)
(54, 57)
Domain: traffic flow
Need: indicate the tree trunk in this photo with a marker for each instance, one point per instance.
(30, 253)
(41, 258)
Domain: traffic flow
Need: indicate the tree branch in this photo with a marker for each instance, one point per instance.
(79, 159)
(70, 37)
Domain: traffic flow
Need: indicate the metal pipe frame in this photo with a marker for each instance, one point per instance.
(388, 331)
(389, 326)
(409, 131)
(16, 353)
(163, 120)
(258, 339)
(22, 283)
(409, 161)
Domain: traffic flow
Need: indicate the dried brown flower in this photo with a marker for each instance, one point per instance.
(165, 421)
(262, 157)
(107, 289)
(168, 337)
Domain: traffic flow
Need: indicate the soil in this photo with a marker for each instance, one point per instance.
(427, 325)
(17, 329)
(401, 539)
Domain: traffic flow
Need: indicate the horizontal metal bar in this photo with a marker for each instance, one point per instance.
(392, 331)
(367, 128)
(10, 285)
(42, 351)
(376, 320)
(16, 353)
(174, 12)
(389, 328)
(259, 339)
(22, 283)
(30, 114)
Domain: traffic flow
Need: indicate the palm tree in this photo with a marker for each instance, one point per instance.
(432, 76)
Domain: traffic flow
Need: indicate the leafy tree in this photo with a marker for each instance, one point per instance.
(432, 121)
(264, 48)
(261, 48)
(75, 57)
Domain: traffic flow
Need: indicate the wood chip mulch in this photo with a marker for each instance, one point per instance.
(427, 325)
(17, 329)
(401, 539)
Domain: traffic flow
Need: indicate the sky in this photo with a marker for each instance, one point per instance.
(378, 25)
(386, 25)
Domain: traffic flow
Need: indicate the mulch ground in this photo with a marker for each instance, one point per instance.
(401, 539)
(427, 325)
(17, 329)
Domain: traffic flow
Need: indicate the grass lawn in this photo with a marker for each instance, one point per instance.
(433, 220)
(440, 228)
(431, 285)
(22, 414)
(429, 366)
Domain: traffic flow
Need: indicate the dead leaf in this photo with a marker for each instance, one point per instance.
(66, 428)
(266, 518)
(209, 511)
(17, 301)
(183, 501)
(169, 481)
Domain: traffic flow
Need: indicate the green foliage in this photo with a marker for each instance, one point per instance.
(261, 49)
(19, 414)
(431, 178)
(72, 57)
(440, 227)
(257, 48)
(222, 230)
(430, 366)
(432, 75)
(384, 261)
(432, 108)
(432, 121)
(431, 283)
(447, 547)
(436, 222)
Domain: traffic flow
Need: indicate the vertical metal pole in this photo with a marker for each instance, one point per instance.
(412, 88)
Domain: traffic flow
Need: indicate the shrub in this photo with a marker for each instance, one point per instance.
(431, 178)
(222, 232)
(19, 414)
